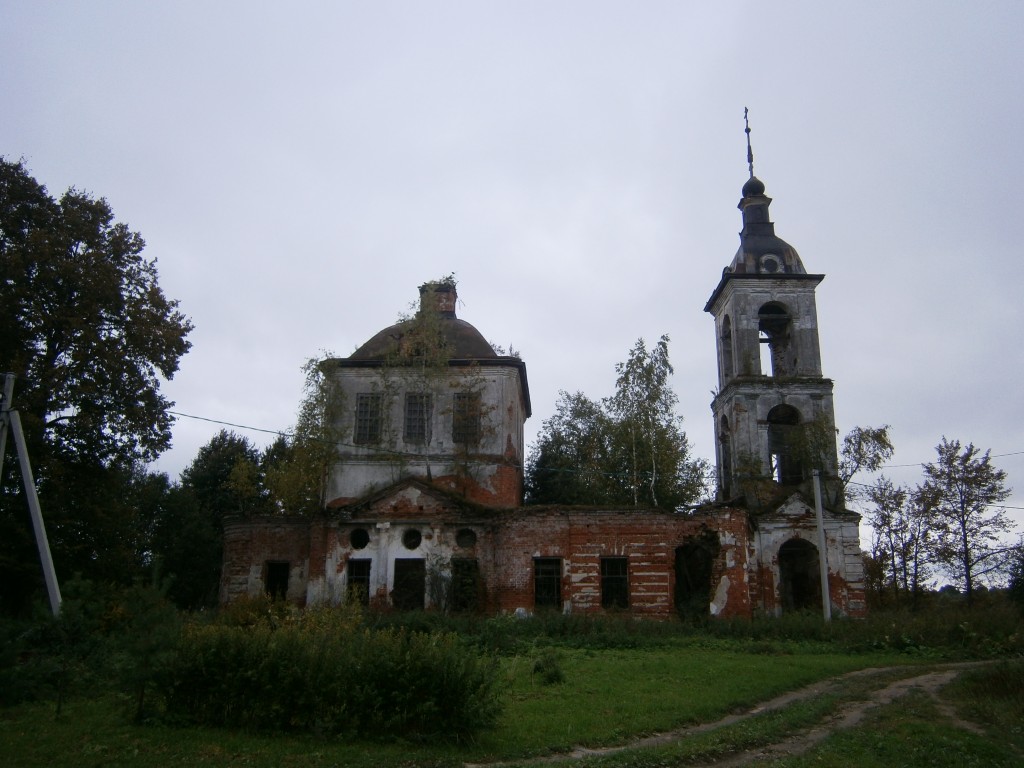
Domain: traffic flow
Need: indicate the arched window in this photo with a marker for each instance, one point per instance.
(784, 444)
(726, 346)
(775, 324)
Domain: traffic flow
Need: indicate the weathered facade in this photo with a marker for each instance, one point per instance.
(425, 508)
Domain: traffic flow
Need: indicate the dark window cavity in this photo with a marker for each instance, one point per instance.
(727, 366)
(547, 582)
(417, 417)
(465, 584)
(410, 584)
(276, 583)
(784, 444)
(359, 581)
(368, 417)
(466, 418)
(411, 538)
(466, 538)
(359, 538)
(614, 582)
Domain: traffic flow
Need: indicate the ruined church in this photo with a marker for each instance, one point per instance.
(425, 501)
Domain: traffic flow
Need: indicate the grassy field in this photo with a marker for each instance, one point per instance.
(567, 683)
(606, 697)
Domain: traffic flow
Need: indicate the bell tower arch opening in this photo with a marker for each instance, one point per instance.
(784, 445)
(775, 325)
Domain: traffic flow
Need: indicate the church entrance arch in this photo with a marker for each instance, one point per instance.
(799, 577)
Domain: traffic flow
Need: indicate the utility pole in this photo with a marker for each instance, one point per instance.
(11, 419)
(826, 598)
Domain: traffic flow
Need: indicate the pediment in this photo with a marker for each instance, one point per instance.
(409, 499)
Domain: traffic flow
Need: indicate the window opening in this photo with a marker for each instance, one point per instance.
(765, 352)
(547, 582)
(727, 370)
(359, 538)
(614, 582)
(359, 581)
(277, 579)
(417, 417)
(784, 444)
(465, 584)
(775, 325)
(466, 417)
(465, 538)
(368, 418)
(410, 584)
(411, 538)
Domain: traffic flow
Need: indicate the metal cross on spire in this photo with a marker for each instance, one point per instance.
(750, 152)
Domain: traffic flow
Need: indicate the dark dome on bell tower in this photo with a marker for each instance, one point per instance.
(761, 251)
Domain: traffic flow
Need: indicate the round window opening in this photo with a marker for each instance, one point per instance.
(411, 538)
(359, 538)
(465, 538)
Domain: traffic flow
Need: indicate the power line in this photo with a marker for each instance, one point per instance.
(282, 433)
(285, 433)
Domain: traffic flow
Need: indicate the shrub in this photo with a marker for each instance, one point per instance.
(548, 669)
(320, 673)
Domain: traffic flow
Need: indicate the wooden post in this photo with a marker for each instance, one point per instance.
(826, 598)
(12, 418)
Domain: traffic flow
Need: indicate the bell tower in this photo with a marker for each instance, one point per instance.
(773, 409)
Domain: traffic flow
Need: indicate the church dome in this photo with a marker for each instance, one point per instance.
(754, 186)
(458, 339)
(761, 251)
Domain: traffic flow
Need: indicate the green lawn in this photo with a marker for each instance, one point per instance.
(607, 696)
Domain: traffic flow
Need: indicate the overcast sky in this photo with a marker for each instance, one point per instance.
(298, 169)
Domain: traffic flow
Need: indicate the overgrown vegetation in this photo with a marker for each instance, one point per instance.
(261, 665)
(501, 687)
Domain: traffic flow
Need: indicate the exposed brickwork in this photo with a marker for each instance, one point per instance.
(249, 544)
(505, 543)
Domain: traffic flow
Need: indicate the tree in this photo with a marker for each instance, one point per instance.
(222, 480)
(296, 469)
(864, 449)
(570, 463)
(903, 533)
(649, 446)
(959, 490)
(87, 330)
(90, 336)
(1016, 583)
(629, 449)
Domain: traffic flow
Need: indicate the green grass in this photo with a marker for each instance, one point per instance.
(608, 696)
(911, 733)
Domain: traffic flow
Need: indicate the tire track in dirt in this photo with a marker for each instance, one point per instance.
(847, 715)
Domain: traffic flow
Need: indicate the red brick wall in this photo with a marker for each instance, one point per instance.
(250, 543)
(648, 539)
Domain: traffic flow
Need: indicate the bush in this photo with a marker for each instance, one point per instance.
(320, 673)
(547, 667)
